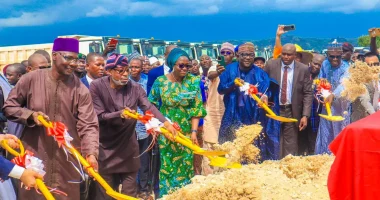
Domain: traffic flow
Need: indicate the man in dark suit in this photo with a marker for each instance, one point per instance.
(296, 96)
(95, 68)
(159, 71)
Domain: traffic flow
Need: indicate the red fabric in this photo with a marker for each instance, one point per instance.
(355, 173)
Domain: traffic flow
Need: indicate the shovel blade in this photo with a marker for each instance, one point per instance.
(332, 118)
(210, 153)
(119, 196)
(222, 162)
(282, 119)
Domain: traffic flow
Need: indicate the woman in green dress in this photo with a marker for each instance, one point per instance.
(181, 102)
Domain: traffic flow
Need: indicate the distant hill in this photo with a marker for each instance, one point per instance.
(317, 44)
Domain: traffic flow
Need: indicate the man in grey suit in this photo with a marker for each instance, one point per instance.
(296, 96)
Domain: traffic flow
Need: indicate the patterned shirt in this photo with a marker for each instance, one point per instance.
(140, 127)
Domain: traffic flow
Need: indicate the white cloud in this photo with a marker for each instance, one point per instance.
(98, 11)
(59, 10)
(28, 19)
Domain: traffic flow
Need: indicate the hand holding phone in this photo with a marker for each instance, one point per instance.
(113, 42)
(291, 27)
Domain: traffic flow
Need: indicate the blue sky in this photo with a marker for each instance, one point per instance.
(36, 21)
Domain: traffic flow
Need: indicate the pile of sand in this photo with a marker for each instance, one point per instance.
(302, 178)
(360, 74)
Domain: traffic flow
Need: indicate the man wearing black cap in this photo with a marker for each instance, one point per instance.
(57, 95)
(259, 61)
(348, 50)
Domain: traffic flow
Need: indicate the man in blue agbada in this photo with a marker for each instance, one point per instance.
(242, 110)
(334, 70)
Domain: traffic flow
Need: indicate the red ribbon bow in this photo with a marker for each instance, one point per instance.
(58, 131)
(253, 90)
(20, 160)
(324, 85)
(145, 118)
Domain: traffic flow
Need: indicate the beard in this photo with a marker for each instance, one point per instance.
(118, 82)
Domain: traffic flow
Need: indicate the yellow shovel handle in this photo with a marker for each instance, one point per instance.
(86, 165)
(40, 184)
(257, 99)
(328, 109)
(5, 145)
(44, 190)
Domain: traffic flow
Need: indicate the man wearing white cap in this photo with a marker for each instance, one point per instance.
(154, 62)
(214, 106)
(58, 95)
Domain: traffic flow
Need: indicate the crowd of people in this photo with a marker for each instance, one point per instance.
(89, 94)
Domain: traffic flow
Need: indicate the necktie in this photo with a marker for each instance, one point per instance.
(284, 85)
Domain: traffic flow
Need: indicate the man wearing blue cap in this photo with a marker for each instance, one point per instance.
(58, 95)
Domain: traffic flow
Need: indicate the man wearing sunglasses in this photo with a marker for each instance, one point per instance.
(241, 109)
(56, 94)
(334, 69)
(367, 103)
(119, 160)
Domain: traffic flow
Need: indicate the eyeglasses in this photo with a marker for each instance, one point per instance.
(43, 67)
(69, 59)
(335, 57)
(121, 71)
(244, 55)
(374, 64)
(135, 67)
(188, 66)
(226, 53)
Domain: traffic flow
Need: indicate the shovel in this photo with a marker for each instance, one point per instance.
(214, 156)
(270, 114)
(112, 193)
(40, 184)
(329, 115)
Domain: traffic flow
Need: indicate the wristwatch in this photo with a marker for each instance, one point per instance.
(194, 131)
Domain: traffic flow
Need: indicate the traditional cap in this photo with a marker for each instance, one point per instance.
(247, 44)
(81, 56)
(152, 60)
(133, 55)
(227, 46)
(347, 47)
(116, 59)
(66, 44)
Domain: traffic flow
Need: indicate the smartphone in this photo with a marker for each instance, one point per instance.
(113, 42)
(221, 61)
(290, 27)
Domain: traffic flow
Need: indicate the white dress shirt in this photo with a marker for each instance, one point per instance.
(289, 82)
(89, 80)
(166, 69)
